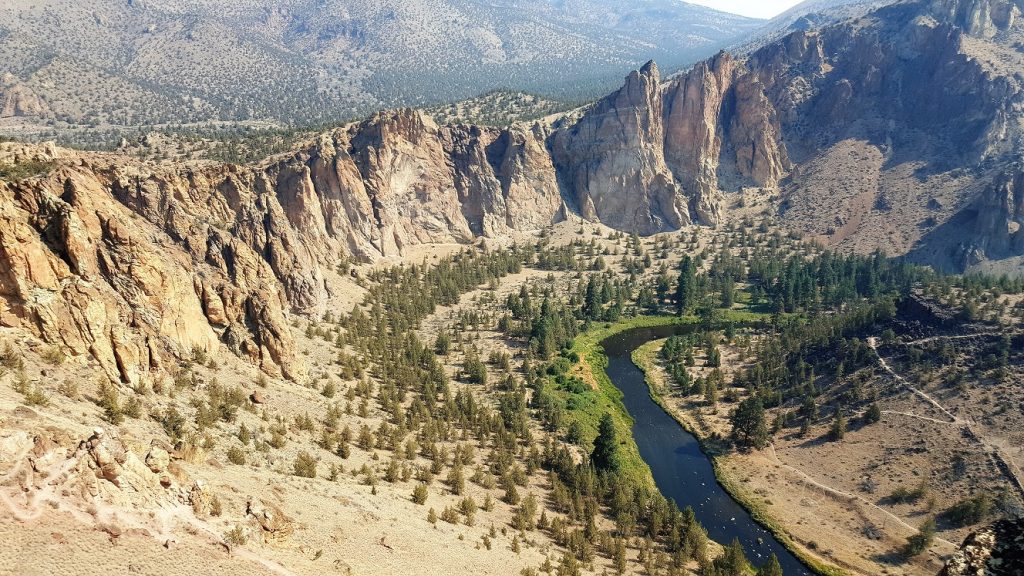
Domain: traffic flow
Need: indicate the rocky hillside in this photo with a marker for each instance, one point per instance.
(900, 131)
(101, 62)
(996, 550)
(811, 14)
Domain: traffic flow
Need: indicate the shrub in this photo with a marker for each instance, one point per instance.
(53, 356)
(419, 494)
(903, 495)
(24, 170)
(450, 515)
(236, 455)
(304, 465)
(277, 439)
(10, 358)
(68, 388)
(133, 408)
(329, 390)
(873, 414)
(920, 542)
(173, 423)
(216, 507)
(236, 536)
(36, 396)
(109, 401)
(838, 430)
(970, 510)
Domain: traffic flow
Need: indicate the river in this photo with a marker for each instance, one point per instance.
(681, 470)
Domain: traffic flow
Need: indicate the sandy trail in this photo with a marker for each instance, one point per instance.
(846, 495)
(1001, 461)
(873, 342)
(919, 417)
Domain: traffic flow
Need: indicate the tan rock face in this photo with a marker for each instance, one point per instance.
(133, 264)
(613, 160)
(693, 135)
(130, 263)
(654, 157)
(19, 100)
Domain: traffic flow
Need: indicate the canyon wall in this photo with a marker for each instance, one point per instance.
(135, 263)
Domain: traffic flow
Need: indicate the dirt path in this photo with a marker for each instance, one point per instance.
(845, 495)
(1002, 462)
(944, 337)
(919, 417)
(873, 342)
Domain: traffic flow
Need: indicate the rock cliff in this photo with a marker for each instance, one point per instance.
(979, 17)
(133, 263)
(918, 103)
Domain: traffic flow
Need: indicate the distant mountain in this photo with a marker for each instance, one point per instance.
(144, 62)
(811, 14)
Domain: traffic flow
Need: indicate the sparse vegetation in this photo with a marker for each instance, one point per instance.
(24, 170)
(236, 455)
(109, 399)
(969, 510)
(920, 542)
(236, 536)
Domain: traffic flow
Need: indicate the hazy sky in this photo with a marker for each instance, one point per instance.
(752, 8)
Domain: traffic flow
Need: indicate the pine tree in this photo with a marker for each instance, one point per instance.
(873, 414)
(605, 445)
(838, 431)
(732, 562)
(749, 428)
(619, 560)
(686, 286)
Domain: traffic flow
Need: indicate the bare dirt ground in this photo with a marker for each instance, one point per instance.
(832, 498)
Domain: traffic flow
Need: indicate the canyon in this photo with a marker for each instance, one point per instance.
(129, 261)
(898, 130)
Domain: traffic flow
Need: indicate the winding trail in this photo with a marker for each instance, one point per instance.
(873, 343)
(1002, 462)
(849, 497)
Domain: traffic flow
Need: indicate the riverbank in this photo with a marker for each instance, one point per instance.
(646, 359)
(590, 367)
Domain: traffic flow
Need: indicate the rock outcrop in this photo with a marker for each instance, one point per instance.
(984, 18)
(653, 157)
(996, 550)
(17, 100)
(83, 267)
(131, 263)
(1000, 216)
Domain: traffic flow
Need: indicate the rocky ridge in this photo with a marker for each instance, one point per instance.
(133, 263)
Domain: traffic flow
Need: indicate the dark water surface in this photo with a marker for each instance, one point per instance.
(682, 472)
